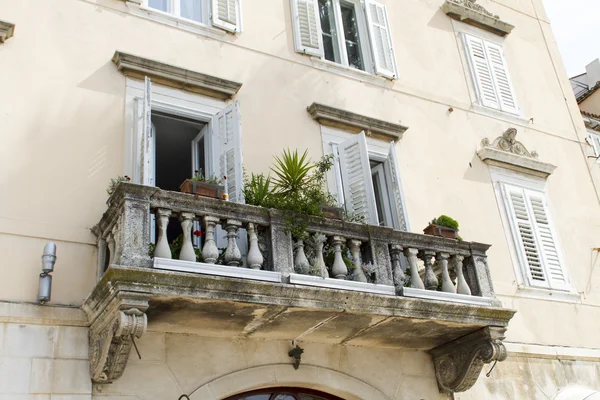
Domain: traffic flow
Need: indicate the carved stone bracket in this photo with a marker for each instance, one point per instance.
(111, 339)
(472, 5)
(508, 143)
(459, 363)
(468, 11)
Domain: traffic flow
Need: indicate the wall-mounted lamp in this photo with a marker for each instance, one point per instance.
(48, 260)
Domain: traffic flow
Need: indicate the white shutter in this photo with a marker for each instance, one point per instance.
(504, 89)
(482, 74)
(356, 178)
(227, 151)
(381, 40)
(307, 27)
(595, 142)
(148, 137)
(546, 240)
(226, 15)
(399, 214)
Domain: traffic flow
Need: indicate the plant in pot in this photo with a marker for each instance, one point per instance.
(203, 186)
(443, 226)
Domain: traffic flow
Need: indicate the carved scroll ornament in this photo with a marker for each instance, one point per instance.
(459, 363)
(508, 143)
(472, 5)
(111, 340)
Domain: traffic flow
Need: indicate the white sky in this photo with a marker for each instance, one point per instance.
(576, 27)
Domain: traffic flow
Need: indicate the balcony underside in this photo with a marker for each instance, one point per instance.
(230, 307)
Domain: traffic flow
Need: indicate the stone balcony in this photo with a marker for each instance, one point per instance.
(408, 291)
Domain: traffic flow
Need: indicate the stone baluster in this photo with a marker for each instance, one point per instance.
(255, 257)
(447, 285)
(110, 240)
(359, 273)
(210, 252)
(320, 267)
(162, 249)
(430, 281)
(232, 256)
(461, 284)
(415, 279)
(339, 269)
(301, 264)
(187, 252)
(398, 274)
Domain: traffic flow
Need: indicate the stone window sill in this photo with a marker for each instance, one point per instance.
(349, 72)
(548, 294)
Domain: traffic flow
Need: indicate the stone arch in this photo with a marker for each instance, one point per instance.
(577, 393)
(281, 375)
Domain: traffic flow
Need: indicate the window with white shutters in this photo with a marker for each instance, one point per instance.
(353, 33)
(534, 237)
(224, 14)
(594, 140)
(490, 74)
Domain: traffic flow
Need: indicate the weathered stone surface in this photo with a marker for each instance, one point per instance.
(470, 12)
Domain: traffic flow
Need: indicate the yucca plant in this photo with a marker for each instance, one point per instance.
(258, 191)
(292, 172)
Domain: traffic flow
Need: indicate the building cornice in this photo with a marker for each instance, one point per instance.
(7, 29)
(331, 116)
(469, 12)
(180, 78)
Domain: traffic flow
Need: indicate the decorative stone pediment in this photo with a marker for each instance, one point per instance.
(7, 29)
(468, 11)
(506, 151)
(177, 77)
(458, 363)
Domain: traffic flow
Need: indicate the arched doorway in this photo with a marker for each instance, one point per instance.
(283, 393)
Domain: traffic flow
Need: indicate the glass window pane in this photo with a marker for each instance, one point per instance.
(191, 9)
(351, 36)
(159, 4)
(329, 31)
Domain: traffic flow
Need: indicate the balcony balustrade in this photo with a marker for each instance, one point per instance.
(342, 283)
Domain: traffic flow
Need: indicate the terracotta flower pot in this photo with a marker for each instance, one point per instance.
(439, 230)
(202, 189)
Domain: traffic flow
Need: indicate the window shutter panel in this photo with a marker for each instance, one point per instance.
(226, 15)
(148, 139)
(524, 234)
(381, 40)
(356, 178)
(504, 89)
(482, 75)
(398, 204)
(307, 27)
(547, 240)
(595, 142)
(227, 151)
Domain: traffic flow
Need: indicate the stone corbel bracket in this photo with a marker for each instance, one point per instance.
(7, 29)
(114, 327)
(507, 152)
(469, 12)
(459, 363)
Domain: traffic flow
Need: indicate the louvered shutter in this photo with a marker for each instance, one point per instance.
(595, 142)
(148, 137)
(504, 89)
(482, 74)
(356, 178)
(307, 27)
(398, 205)
(226, 15)
(227, 151)
(546, 239)
(381, 40)
(524, 235)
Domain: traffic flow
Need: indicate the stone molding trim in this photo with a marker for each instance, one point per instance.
(353, 122)
(7, 30)
(505, 151)
(112, 333)
(459, 363)
(177, 77)
(469, 12)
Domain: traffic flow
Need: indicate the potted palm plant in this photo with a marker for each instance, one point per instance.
(203, 186)
(443, 226)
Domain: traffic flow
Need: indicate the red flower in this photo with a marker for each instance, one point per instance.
(126, 177)
(224, 177)
(196, 171)
(197, 233)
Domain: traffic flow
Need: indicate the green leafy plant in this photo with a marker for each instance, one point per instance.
(291, 172)
(257, 190)
(444, 220)
(114, 182)
(199, 177)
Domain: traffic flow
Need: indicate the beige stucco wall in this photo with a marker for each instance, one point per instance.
(62, 133)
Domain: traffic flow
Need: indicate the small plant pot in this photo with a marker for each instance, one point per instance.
(333, 212)
(202, 189)
(439, 230)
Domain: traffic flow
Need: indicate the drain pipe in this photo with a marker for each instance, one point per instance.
(48, 260)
